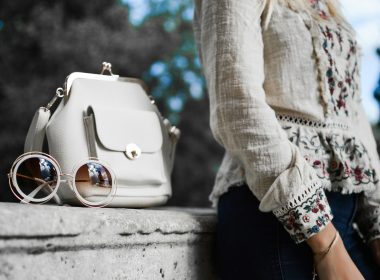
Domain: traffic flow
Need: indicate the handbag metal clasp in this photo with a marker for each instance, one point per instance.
(132, 151)
(107, 67)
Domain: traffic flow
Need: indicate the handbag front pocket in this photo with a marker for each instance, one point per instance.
(130, 141)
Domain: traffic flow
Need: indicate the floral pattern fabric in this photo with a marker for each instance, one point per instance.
(343, 164)
(368, 224)
(339, 158)
(340, 55)
(291, 64)
(305, 217)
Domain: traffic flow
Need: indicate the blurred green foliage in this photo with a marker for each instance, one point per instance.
(176, 76)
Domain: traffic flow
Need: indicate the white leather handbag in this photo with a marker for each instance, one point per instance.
(113, 119)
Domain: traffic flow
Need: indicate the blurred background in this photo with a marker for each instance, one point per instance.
(43, 41)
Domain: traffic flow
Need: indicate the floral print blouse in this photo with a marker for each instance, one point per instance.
(285, 102)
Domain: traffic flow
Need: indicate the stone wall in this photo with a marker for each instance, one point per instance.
(63, 242)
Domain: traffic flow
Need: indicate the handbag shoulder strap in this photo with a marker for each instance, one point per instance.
(36, 133)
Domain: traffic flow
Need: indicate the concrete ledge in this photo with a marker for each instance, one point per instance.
(59, 242)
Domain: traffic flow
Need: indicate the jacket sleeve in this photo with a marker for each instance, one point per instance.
(368, 210)
(230, 46)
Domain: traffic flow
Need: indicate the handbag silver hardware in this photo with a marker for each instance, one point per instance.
(132, 151)
(107, 67)
(58, 94)
(174, 133)
(151, 99)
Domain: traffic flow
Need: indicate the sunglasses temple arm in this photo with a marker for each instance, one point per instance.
(32, 194)
(56, 197)
(29, 177)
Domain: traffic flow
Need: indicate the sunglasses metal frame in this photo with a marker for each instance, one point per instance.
(71, 181)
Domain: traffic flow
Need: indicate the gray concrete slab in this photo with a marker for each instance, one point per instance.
(64, 242)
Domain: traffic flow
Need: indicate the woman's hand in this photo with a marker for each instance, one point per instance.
(375, 249)
(337, 264)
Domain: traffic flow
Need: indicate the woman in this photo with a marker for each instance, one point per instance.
(298, 190)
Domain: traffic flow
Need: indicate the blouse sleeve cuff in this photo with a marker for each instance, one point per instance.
(306, 214)
(373, 226)
(368, 220)
(374, 233)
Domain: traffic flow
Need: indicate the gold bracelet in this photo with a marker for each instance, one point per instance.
(322, 254)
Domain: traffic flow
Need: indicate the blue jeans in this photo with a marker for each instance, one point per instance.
(254, 245)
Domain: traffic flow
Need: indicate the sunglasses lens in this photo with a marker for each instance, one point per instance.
(94, 185)
(35, 179)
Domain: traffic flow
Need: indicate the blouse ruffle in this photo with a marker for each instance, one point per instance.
(339, 157)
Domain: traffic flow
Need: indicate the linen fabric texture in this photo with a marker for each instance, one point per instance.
(286, 105)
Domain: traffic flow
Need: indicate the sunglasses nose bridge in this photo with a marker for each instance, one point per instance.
(67, 175)
(68, 180)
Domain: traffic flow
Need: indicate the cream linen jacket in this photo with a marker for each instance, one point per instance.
(285, 103)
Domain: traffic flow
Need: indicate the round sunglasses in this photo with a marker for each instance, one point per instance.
(36, 176)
